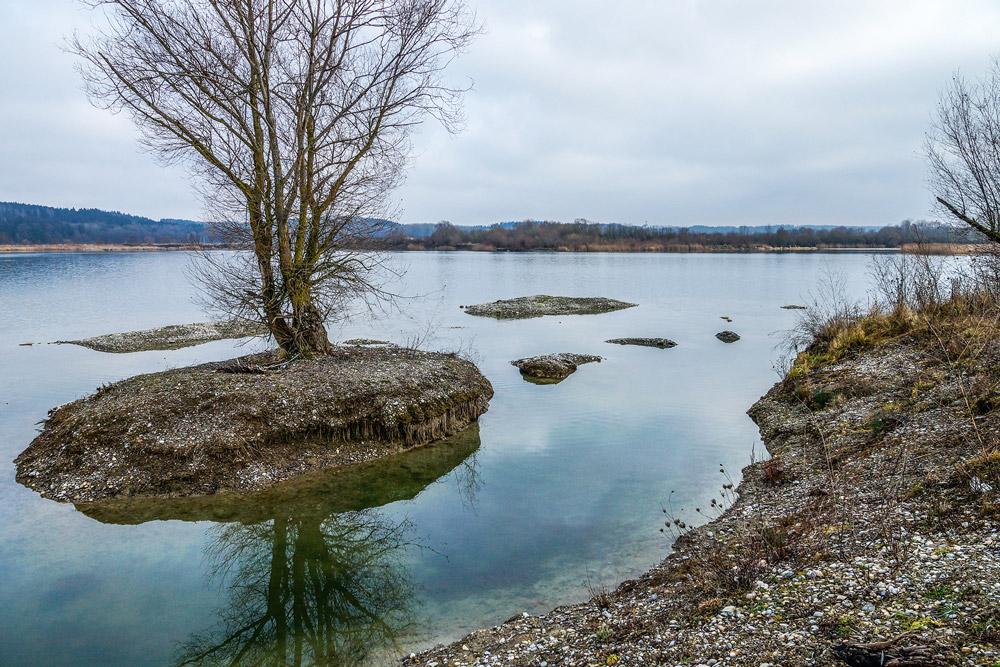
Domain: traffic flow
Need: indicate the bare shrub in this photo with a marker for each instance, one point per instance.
(774, 470)
(912, 281)
(600, 592)
(828, 314)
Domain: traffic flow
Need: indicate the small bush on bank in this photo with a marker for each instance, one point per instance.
(953, 306)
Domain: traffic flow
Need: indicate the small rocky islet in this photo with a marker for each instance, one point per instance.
(662, 343)
(172, 337)
(249, 423)
(728, 336)
(540, 305)
(552, 368)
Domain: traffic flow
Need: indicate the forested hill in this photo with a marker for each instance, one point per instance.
(26, 224)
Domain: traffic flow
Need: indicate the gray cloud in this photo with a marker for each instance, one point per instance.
(666, 112)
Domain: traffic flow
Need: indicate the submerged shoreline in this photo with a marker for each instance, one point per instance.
(870, 534)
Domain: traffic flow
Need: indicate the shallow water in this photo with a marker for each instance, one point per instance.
(559, 488)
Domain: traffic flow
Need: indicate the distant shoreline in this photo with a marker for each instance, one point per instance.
(930, 248)
(107, 247)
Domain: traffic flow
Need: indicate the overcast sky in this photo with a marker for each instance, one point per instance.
(675, 112)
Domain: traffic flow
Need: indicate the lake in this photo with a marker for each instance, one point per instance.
(558, 491)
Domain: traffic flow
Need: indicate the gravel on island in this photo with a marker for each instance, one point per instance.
(172, 337)
(249, 423)
(366, 341)
(871, 536)
(540, 305)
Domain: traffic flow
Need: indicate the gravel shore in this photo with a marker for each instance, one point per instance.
(870, 537)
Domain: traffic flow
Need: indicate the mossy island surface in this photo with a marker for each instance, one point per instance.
(249, 423)
(540, 305)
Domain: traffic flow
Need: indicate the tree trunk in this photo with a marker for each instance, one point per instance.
(310, 333)
(307, 332)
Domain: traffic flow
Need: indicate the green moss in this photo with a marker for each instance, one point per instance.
(822, 398)
(937, 593)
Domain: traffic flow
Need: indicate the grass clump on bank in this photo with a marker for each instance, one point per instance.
(950, 310)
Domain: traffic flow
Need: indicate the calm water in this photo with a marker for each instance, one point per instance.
(559, 486)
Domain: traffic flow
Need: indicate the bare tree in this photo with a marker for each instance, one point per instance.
(294, 117)
(963, 152)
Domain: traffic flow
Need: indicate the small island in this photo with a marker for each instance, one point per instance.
(249, 423)
(540, 305)
(172, 337)
(552, 368)
(662, 343)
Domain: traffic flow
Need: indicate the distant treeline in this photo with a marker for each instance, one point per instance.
(586, 236)
(26, 224)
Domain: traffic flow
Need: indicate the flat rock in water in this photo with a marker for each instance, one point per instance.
(170, 337)
(661, 343)
(553, 367)
(794, 307)
(541, 304)
(728, 336)
(249, 423)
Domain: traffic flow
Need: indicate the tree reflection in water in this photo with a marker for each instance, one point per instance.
(315, 575)
(308, 592)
